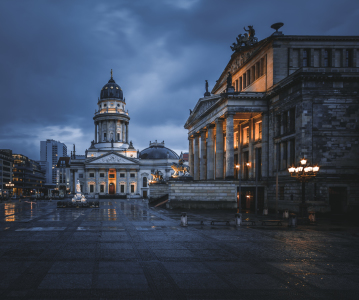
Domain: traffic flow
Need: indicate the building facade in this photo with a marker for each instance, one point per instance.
(51, 151)
(28, 177)
(279, 100)
(6, 162)
(111, 166)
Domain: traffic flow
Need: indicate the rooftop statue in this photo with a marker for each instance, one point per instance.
(248, 39)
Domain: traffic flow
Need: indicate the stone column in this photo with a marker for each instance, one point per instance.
(265, 154)
(107, 130)
(97, 188)
(128, 190)
(115, 138)
(190, 156)
(229, 146)
(95, 132)
(210, 152)
(85, 179)
(106, 187)
(138, 187)
(219, 148)
(203, 160)
(127, 132)
(251, 152)
(100, 131)
(124, 133)
(118, 190)
(196, 158)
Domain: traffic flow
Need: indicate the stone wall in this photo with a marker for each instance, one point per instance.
(158, 190)
(202, 194)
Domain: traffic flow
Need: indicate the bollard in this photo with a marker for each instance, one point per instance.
(292, 220)
(184, 219)
(238, 219)
(311, 216)
(285, 214)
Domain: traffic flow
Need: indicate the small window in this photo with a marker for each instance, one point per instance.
(102, 188)
(102, 174)
(348, 58)
(104, 136)
(104, 105)
(132, 175)
(111, 176)
(327, 58)
(122, 175)
(122, 188)
(132, 188)
(91, 188)
(92, 175)
(81, 175)
(306, 56)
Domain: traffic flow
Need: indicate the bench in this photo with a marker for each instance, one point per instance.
(215, 221)
(272, 222)
(253, 222)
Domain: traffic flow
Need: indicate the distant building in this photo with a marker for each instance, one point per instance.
(184, 156)
(63, 175)
(51, 151)
(278, 100)
(5, 170)
(28, 178)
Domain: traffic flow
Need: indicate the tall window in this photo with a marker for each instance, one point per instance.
(258, 131)
(240, 83)
(246, 168)
(244, 80)
(122, 188)
(102, 188)
(292, 152)
(144, 182)
(277, 125)
(91, 188)
(104, 136)
(285, 122)
(348, 58)
(306, 58)
(132, 188)
(327, 58)
(292, 120)
(245, 135)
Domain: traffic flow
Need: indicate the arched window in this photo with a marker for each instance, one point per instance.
(144, 183)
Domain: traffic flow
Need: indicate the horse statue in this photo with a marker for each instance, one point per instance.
(157, 176)
(180, 169)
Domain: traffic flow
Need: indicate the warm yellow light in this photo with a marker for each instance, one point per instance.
(315, 169)
(300, 169)
(248, 164)
(303, 161)
(291, 169)
(237, 166)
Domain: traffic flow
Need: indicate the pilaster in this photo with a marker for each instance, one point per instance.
(196, 157)
(229, 146)
(190, 155)
(210, 152)
(203, 159)
(219, 148)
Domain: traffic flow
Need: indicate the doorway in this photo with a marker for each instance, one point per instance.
(337, 199)
(111, 189)
(248, 196)
(144, 193)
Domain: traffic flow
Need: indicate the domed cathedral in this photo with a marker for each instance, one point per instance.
(111, 166)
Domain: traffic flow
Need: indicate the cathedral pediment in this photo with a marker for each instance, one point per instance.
(111, 159)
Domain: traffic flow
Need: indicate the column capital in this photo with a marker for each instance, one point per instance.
(229, 113)
(210, 125)
(196, 134)
(204, 129)
(219, 120)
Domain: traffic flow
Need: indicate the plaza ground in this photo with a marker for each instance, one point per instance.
(128, 250)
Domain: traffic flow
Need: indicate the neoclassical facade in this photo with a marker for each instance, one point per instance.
(278, 100)
(112, 166)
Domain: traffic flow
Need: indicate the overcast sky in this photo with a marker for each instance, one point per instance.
(55, 56)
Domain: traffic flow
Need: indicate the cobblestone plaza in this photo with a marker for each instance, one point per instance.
(127, 250)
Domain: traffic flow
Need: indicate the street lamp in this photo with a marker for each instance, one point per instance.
(304, 172)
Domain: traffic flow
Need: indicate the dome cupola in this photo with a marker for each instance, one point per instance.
(158, 151)
(111, 90)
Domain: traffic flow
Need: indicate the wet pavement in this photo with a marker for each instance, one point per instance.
(126, 250)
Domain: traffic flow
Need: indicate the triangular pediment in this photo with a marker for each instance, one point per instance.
(203, 105)
(111, 158)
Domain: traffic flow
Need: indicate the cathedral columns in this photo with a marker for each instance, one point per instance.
(210, 152)
(128, 190)
(219, 148)
(107, 130)
(196, 157)
(106, 187)
(96, 182)
(190, 156)
(138, 182)
(96, 132)
(115, 137)
(127, 132)
(117, 181)
(124, 133)
(203, 160)
(229, 146)
(100, 131)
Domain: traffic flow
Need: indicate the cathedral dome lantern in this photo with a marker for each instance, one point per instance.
(111, 90)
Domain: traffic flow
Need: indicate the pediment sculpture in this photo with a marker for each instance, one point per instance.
(248, 39)
(112, 158)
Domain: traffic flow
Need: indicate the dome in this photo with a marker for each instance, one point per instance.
(111, 90)
(158, 151)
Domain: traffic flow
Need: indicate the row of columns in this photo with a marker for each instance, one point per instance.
(99, 125)
(206, 168)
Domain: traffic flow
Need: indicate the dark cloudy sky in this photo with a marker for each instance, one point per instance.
(55, 56)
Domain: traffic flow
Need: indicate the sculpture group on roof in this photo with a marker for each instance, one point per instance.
(248, 39)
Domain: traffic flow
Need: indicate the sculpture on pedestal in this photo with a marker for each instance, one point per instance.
(180, 169)
(79, 197)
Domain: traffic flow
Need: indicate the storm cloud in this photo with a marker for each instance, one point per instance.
(56, 55)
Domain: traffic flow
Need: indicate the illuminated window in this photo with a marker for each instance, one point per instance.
(116, 87)
(111, 87)
(106, 88)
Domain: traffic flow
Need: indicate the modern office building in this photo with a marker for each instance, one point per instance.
(51, 151)
(6, 161)
(28, 177)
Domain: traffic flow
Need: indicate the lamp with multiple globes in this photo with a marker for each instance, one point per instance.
(304, 172)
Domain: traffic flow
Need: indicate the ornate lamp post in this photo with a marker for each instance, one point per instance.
(304, 172)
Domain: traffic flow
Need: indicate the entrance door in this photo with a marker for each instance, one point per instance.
(145, 194)
(337, 199)
(111, 189)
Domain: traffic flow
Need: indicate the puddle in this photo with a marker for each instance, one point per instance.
(41, 229)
